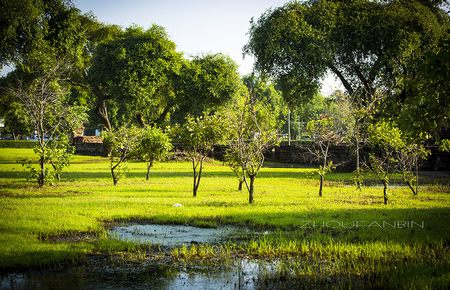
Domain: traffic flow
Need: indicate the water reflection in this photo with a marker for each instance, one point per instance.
(243, 274)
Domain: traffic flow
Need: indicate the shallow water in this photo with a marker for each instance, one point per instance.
(171, 235)
(242, 274)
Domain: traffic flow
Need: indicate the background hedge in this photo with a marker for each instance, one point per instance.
(17, 144)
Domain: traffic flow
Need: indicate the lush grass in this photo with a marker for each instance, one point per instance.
(286, 199)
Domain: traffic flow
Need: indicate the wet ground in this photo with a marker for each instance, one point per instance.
(101, 272)
(241, 274)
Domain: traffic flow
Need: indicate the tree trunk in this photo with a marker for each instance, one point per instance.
(194, 190)
(240, 185)
(321, 185)
(417, 177)
(411, 187)
(358, 169)
(41, 179)
(114, 177)
(385, 192)
(250, 189)
(149, 165)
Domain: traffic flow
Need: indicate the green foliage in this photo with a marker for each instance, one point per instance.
(394, 47)
(133, 76)
(394, 152)
(154, 145)
(445, 145)
(253, 129)
(206, 83)
(121, 145)
(56, 153)
(198, 135)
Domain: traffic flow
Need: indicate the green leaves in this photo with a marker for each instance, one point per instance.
(153, 145)
(386, 135)
(136, 72)
(395, 48)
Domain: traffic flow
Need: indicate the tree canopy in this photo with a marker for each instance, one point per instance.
(206, 83)
(394, 48)
(133, 76)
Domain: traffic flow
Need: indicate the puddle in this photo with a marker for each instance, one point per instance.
(173, 235)
(242, 274)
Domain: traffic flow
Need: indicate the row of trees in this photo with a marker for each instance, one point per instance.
(248, 125)
(391, 57)
(67, 69)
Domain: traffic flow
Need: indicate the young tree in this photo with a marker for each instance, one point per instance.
(198, 136)
(45, 42)
(409, 158)
(387, 139)
(45, 99)
(121, 144)
(232, 159)
(154, 145)
(324, 133)
(253, 129)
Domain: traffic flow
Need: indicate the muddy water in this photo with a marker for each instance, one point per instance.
(104, 273)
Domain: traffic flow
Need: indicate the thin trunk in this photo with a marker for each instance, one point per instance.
(114, 177)
(197, 175)
(411, 187)
(358, 169)
(149, 166)
(103, 111)
(385, 192)
(240, 185)
(194, 190)
(58, 175)
(321, 185)
(417, 177)
(250, 189)
(41, 180)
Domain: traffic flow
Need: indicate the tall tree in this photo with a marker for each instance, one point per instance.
(206, 83)
(133, 77)
(45, 43)
(374, 47)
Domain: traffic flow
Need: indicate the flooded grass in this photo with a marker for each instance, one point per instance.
(346, 238)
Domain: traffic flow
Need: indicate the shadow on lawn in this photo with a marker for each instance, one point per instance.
(356, 225)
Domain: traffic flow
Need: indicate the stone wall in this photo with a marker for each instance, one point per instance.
(89, 145)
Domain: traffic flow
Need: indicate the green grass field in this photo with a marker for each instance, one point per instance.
(407, 241)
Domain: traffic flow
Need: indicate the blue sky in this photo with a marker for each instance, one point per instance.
(196, 26)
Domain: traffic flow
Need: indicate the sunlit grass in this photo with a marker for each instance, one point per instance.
(287, 205)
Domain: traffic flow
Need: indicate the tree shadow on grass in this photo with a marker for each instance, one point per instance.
(350, 225)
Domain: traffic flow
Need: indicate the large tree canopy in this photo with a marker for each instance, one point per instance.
(133, 76)
(395, 48)
(206, 83)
